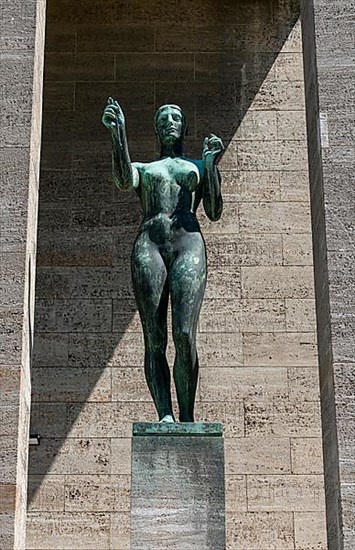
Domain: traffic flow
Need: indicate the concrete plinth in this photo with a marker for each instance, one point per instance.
(178, 496)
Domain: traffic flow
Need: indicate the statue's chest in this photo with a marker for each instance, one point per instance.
(168, 176)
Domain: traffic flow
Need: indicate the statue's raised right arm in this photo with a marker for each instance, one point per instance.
(125, 174)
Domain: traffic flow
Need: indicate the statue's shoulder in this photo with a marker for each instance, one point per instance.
(140, 165)
(198, 163)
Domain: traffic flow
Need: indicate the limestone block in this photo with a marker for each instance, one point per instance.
(294, 185)
(92, 96)
(84, 283)
(307, 456)
(310, 531)
(87, 531)
(101, 350)
(223, 282)
(50, 349)
(262, 316)
(236, 493)
(262, 455)
(219, 350)
(282, 418)
(289, 67)
(69, 66)
(287, 493)
(7, 520)
(280, 96)
(303, 383)
(300, 315)
(248, 186)
(291, 125)
(46, 493)
(129, 384)
(227, 224)
(293, 155)
(125, 316)
(257, 125)
(219, 315)
(8, 457)
(97, 493)
(196, 40)
(280, 349)
(260, 530)
(96, 11)
(277, 282)
(58, 98)
(112, 419)
(61, 38)
(246, 251)
(216, 67)
(10, 378)
(91, 38)
(223, 384)
(231, 414)
(293, 42)
(121, 455)
(276, 217)
(67, 384)
(8, 497)
(12, 277)
(141, 67)
(94, 248)
(229, 160)
(297, 249)
(120, 531)
(71, 456)
(258, 155)
(9, 419)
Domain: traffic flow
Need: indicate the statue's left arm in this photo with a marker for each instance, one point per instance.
(211, 193)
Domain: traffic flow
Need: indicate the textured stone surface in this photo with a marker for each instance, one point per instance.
(256, 340)
(21, 57)
(178, 496)
(329, 83)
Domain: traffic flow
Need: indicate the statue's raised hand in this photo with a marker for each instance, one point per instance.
(113, 117)
(212, 147)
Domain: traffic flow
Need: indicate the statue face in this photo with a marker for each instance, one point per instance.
(169, 125)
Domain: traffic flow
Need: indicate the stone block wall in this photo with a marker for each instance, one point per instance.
(21, 66)
(329, 31)
(236, 69)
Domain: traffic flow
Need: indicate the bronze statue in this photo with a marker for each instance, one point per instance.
(169, 256)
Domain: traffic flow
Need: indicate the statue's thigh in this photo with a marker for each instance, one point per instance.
(149, 276)
(187, 283)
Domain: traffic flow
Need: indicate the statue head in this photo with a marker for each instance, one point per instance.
(170, 124)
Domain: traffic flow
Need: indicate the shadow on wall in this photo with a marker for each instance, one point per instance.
(212, 60)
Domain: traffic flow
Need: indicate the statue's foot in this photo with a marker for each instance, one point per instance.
(167, 418)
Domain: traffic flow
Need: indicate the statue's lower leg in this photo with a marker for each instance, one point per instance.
(158, 379)
(185, 378)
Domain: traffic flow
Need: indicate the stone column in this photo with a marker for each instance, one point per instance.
(21, 50)
(177, 486)
(329, 32)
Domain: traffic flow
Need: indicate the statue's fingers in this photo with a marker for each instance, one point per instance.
(110, 112)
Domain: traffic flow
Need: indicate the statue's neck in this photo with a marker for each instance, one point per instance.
(173, 150)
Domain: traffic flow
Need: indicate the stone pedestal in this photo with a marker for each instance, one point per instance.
(178, 496)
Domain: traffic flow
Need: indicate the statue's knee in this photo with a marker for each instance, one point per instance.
(183, 340)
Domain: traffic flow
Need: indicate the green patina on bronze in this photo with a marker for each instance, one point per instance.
(169, 255)
(205, 429)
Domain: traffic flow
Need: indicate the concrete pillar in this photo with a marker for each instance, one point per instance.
(21, 51)
(328, 33)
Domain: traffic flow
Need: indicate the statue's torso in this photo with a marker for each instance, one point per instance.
(168, 184)
(167, 188)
